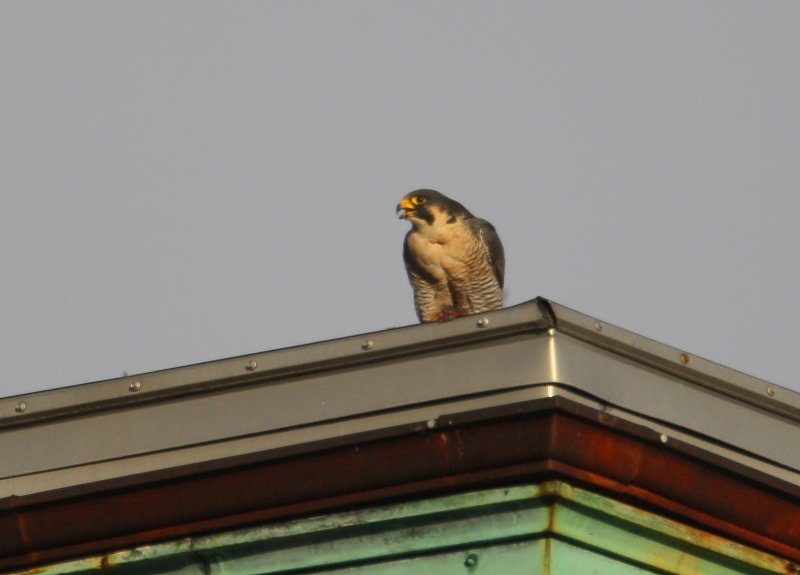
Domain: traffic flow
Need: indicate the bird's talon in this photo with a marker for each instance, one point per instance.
(448, 314)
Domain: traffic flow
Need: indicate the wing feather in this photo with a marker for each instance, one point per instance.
(488, 235)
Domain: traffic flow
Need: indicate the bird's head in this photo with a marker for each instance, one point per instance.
(429, 207)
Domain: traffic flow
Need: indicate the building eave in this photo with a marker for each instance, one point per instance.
(535, 390)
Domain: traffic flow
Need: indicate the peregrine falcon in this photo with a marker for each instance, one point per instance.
(454, 261)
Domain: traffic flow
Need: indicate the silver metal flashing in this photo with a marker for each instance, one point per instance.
(403, 376)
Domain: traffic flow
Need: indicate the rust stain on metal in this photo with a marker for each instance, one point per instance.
(441, 443)
(460, 448)
(539, 445)
(683, 563)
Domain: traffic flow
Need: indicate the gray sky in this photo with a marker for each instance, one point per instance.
(187, 181)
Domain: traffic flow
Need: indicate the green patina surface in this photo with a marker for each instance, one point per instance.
(545, 529)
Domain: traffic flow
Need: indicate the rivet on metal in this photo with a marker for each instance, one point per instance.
(430, 424)
(135, 386)
(471, 560)
(770, 391)
(20, 407)
(251, 365)
(684, 357)
(367, 344)
(483, 322)
(598, 326)
(664, 438)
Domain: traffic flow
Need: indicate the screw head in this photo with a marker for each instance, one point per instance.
(367, 344)
(684, 357)
(598, 326)
(471, 560)
(664, 438)
(430, 424)
(770, 391)
(483, 322)
(135, 386)
(251, 365)
(20, 407)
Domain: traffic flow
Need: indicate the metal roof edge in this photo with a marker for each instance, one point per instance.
(538, 314)
(726, 381)
(262, 367)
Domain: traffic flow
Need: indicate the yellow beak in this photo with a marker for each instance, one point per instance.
(405, 209)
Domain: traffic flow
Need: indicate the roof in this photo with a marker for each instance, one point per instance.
(371, 381)
(492, 377)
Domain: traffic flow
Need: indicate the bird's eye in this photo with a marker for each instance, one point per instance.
(417, 200)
